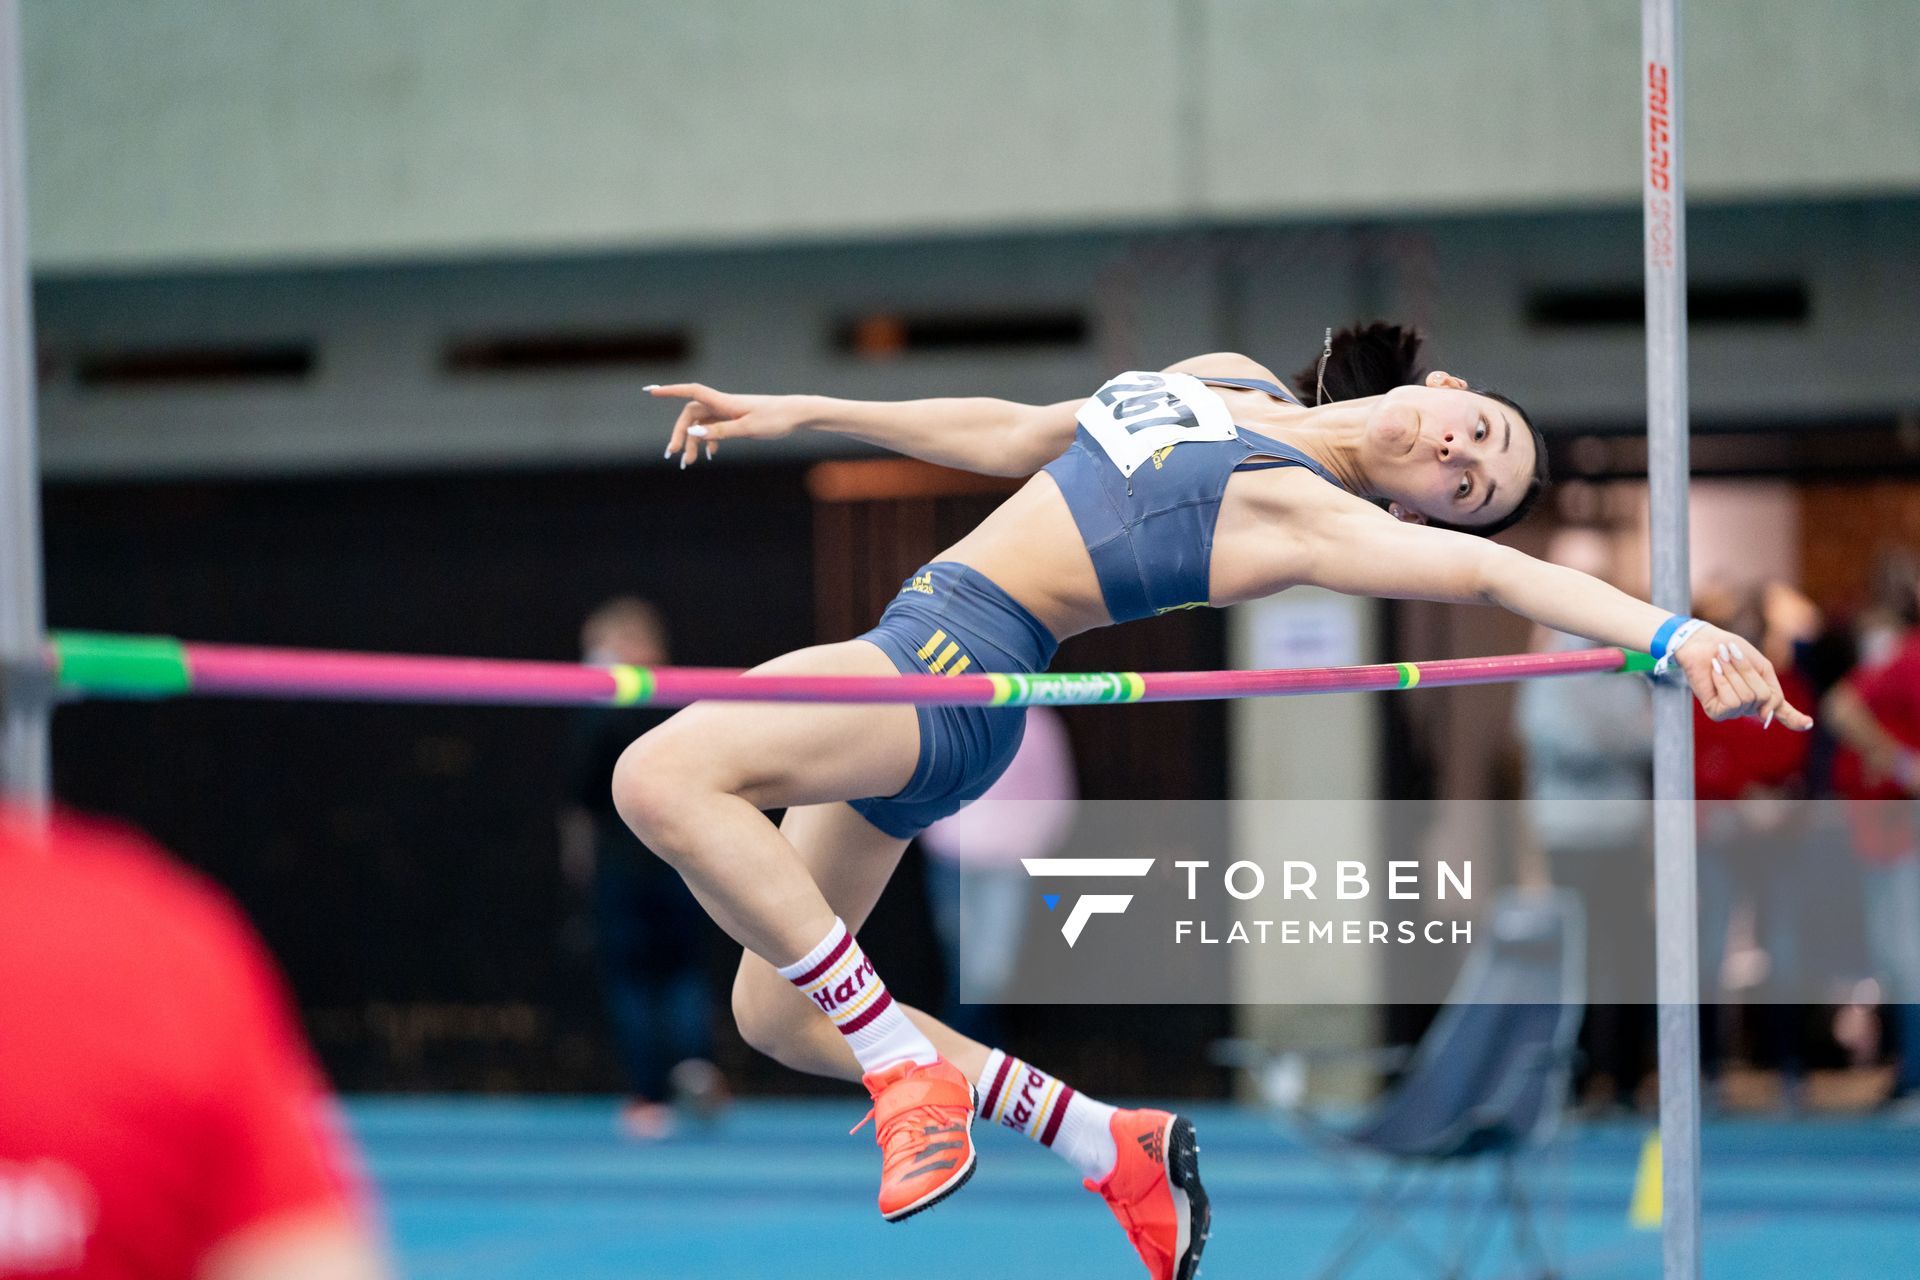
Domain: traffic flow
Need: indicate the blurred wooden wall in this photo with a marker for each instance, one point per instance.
(1842, 527)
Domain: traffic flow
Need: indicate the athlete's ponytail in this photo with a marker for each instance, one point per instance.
(1367, 360)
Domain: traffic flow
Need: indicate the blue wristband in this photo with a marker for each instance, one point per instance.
(1664, 635)
(1673, 633)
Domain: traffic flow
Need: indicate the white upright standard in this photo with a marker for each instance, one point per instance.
(1676, 924)
(24, 696)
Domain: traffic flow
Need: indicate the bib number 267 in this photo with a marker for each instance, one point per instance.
(1138, 413)
(1131, 402)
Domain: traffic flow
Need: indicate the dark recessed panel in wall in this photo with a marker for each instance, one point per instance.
(881, 335)
(1611, 306)
(180, 366)
(566, 352)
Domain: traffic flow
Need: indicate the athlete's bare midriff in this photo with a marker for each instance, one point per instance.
(1031, 549)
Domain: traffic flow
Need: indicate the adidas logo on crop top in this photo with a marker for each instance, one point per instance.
(1150, 531)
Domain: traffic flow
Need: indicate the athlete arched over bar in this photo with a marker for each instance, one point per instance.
(1207, 483)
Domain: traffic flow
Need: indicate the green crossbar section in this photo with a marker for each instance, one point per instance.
(1067, 688)
(142, 666)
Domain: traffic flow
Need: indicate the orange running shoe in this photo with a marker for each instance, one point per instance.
(1155, 1192)
(923, 1121)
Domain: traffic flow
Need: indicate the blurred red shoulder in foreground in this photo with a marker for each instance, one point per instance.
(161, 1115)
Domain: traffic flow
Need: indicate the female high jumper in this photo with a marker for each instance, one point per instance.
(1207, 483)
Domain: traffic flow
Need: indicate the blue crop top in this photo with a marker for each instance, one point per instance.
(1144, 478)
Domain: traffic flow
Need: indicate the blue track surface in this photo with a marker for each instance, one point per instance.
(511, 1190)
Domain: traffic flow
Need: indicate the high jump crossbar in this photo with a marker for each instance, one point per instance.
(95, 664)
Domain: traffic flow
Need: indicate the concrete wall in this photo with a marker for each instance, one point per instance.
(380, 397)
(202, 132)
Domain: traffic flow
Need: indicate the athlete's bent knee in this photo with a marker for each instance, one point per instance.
(769, 1019)
(655, 790)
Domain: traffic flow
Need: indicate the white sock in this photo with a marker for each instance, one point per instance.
(1017, 1095)
(837, 976)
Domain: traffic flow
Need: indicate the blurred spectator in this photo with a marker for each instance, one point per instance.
(160, 1113)
(1875, 713)
(1028, 813)
(1889, 615)
(1589, 750)
(650, 932)
(1753, 838)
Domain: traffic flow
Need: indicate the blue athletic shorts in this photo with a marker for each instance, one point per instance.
(951, 621)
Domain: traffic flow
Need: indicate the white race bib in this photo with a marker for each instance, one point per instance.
(1136, 415)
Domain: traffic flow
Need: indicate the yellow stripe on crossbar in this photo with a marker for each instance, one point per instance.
(628, 685)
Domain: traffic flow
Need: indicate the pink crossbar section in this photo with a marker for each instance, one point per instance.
(244, 671)
(241, 671)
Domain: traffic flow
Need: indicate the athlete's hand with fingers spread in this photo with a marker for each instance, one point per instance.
(1732, 678)
(710, 416)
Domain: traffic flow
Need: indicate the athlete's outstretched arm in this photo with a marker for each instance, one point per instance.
(1361, 550)
(976, 433)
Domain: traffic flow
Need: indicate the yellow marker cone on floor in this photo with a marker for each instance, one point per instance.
(1644, 1213)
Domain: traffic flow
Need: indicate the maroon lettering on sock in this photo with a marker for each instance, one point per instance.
(1025, 1105)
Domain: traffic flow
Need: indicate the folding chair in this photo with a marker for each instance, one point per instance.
(1486, 1087)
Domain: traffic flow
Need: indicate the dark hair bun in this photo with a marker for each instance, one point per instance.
(1367, 360)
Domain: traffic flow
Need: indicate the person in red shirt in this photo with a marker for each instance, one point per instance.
(1875, 713)
(160, 1115)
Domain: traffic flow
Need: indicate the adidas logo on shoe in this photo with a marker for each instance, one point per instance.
(1150, 1143)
